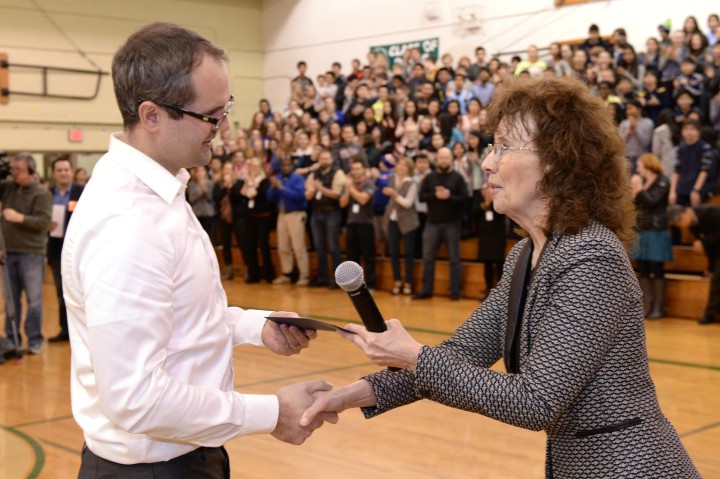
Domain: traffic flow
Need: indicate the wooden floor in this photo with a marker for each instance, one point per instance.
(39, 438)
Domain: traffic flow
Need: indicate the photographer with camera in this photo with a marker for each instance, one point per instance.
(26, 209)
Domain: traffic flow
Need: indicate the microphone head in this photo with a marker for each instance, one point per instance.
(349, 276)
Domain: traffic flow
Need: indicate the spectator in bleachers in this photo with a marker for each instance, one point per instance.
(690, 80)
(629, 67)
(200, 196)
(694, 171)
(606, 92)
(664, 32)
(474, 69)
(471, 119)
(492, 238)
(594, 40)
(636, 131)
(578, 66)
(459, 94)
(347, 148)
(690, 26)
(619, 43)
(713, 23)
(323, 188)
(401, 220)
(665, 140)
(264, 107)
(678, 45)
(697, 48)
(651, 57)
(650, 190)
(444, 192)
(440, 84)
(483, 88)
(668, 66)
(683, 106)
(258, 222)
(302, 79)
(704, 221)
(287, 193)
(388, 124)
(80, 176)
(533, 64)
(231, 209)
(360, 234)
(654, 98)
(448, 129)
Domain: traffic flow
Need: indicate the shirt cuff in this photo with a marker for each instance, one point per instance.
(261, 413)
(247, 325)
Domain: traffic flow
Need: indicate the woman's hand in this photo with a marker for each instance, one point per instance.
(394, 347)
(358, 394)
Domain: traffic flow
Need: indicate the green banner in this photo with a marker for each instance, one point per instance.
(394, 52)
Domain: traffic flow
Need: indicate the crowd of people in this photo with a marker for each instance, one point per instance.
(393, 152)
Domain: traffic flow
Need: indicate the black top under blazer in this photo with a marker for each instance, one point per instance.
(584, 376)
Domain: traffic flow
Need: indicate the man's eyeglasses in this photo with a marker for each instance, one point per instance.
(215, 122)
(501, 148)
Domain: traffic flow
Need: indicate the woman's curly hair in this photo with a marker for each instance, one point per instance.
(580, 150)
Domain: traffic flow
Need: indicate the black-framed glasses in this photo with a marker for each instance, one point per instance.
(501, 148)
(215, 122)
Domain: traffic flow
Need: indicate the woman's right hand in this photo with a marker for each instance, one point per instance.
(358, 394)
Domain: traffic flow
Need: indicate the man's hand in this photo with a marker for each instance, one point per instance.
(286, 340)
(442, 193)
(294, 400)
(13, 216)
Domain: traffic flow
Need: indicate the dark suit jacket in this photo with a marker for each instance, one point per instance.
(54, 248)
(584, 376)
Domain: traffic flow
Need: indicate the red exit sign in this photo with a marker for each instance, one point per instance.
(75, 135)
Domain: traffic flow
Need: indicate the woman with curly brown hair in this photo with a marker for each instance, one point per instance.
(567, 315)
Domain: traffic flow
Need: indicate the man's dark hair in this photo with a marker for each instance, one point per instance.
(479, 49)
(301, 63)
(58, 160)
(694, 123)
(155, 64)
(594, 28)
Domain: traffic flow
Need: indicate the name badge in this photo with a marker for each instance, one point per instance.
(489, 215)
(318, 195)
(355, 208)
(251, 204)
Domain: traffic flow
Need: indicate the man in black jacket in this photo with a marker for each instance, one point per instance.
(704, 222)
(65, 196)
(444, 191)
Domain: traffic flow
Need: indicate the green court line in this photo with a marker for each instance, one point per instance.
(37, 451)
(449, 333)
(700, 429)
(685, 365)
(62, 447)
(296, 376)
(42, 421)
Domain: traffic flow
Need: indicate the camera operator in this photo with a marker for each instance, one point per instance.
(26, 209)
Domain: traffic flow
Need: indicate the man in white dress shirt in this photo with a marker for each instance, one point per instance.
(150, 329)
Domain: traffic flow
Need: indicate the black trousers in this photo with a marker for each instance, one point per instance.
(54, 251)
(202, 463)
(360, 243)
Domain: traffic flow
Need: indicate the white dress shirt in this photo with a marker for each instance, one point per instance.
(150, 329)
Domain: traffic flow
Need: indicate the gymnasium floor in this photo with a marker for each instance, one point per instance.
(39, 438)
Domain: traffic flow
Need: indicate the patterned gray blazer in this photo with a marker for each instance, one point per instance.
(584, 376)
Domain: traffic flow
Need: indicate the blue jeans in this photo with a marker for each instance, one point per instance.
(326, 226)
(433, 236)
(408, 253)
(25, 272)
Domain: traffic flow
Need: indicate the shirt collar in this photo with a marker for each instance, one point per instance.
(147, 170)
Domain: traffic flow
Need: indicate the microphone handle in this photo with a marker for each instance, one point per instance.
(368, 311)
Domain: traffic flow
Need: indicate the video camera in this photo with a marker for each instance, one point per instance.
(4, 165)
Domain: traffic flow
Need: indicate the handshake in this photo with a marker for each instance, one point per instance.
(305, 407)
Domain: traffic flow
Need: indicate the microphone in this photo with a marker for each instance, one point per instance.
(349, 276)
